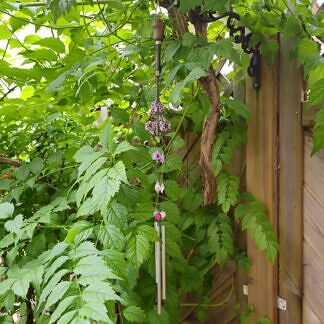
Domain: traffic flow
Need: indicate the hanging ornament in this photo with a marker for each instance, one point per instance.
(158, 126)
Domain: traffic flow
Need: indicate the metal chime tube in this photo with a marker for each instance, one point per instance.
(158, 269)
(163, 262)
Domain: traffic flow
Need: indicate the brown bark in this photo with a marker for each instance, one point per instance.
(209, 84)
(208, 135)
(13, 162)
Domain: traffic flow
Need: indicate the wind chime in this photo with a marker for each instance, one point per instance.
(158, 126)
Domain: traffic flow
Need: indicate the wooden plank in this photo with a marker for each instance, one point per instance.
(314, 223)
(314, 282)
(314, 170)
(290, 186)
(309, 317)
(262, 181)
(237, 168)
(308, 115)
(313, 235)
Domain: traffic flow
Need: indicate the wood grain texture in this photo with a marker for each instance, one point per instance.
(313, 235)
(262, 181)
(290, 186)
(238, 169)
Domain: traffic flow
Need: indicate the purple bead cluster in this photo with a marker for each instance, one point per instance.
(157, 108)
(158, 125)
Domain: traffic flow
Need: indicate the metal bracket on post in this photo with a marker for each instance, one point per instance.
(281, 303)
(236, 31)
(245, 290)
(240, 37)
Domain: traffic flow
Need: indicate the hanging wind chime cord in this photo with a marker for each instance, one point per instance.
(157, 127)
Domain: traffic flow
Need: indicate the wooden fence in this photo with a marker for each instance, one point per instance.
(281, 173)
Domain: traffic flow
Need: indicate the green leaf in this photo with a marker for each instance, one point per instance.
(84, 249)
(52, 43)
(93, 168)
(176, 92)
(93, 268)
(67, 317)
(87, 186)
(134, 314)
(316, 94)
(6, 210)
(57, 293)
(227, 190)
(22, 172)
(62, 307)
(61, 7)
(21, 279)
(41, 55)
(54, 266)
(83, 153)
(269, 50)
(5, 33)
(111, 237)
(95, 311)
(171, 49)
(308, 54)
(254, 218)
(137, 249)
(116, 213)
(55, 85)
(123, 147)
(195, 74)
(51, 285)
(99, 292)
(15, 225)
(37, 165)
(103, 192)
(239, 107)
(187, 5)
(87, 161)
(224, 49)
(56, 251)
(106, 136)
(190, 280)
(118, 172)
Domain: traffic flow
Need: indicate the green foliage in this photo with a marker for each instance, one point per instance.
(228, 191)
(76, 232)
(253, 216)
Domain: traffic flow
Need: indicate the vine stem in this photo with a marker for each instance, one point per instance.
(212, 305)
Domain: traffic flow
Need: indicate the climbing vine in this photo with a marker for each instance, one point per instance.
(77, 176)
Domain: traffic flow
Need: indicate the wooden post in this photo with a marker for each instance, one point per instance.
(291, 187)
(241, 278)
(262, 181)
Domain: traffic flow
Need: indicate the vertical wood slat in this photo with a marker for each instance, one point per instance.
(241, 278)
(313, 258)
(262, 181)
(291, 186)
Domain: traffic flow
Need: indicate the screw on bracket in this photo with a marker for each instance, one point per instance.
(281, 303)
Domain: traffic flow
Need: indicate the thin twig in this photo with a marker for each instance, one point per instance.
(8, 92)
(13, 162)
